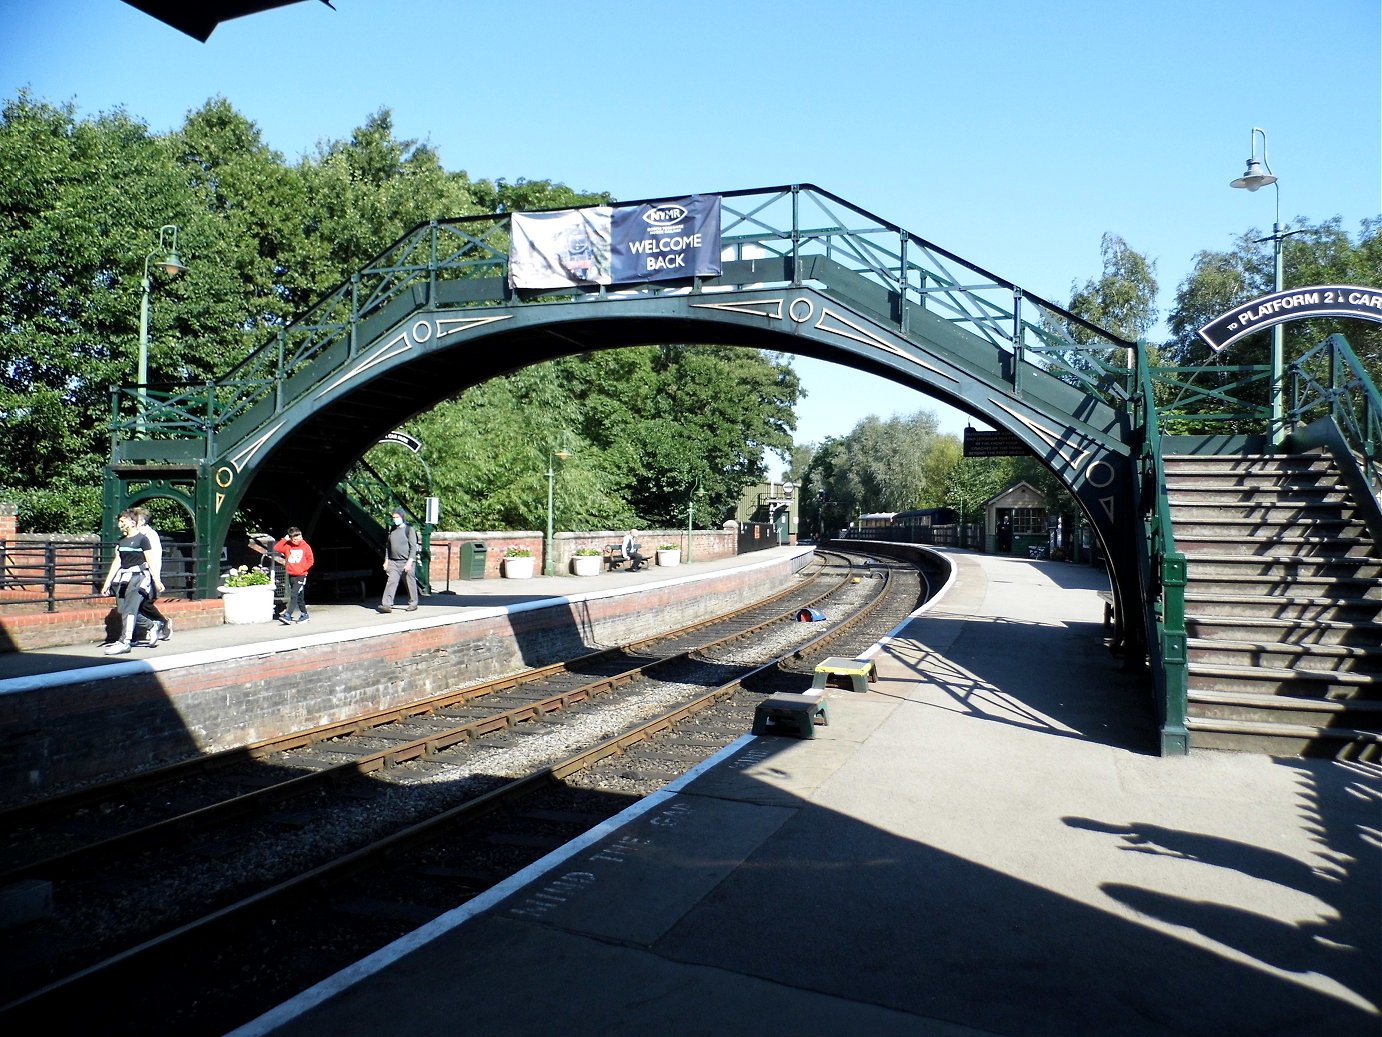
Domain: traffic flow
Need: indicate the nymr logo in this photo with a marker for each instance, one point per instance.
(668, 214)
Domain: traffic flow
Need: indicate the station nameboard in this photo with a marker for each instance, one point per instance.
(980, 443)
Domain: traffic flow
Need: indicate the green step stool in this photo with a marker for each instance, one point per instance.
(800, 713)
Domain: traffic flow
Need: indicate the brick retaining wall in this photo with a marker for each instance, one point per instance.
(22, 632)
(140, 714)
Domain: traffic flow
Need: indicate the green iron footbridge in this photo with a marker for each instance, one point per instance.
(803, 272)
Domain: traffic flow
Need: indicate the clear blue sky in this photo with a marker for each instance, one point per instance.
(1014, 134)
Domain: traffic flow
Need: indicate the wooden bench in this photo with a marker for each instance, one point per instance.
(614, 555)
(858, 672)
(797, 713)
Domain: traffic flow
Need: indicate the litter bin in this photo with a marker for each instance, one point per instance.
(473, 560)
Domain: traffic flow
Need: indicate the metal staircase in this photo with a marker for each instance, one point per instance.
(1283, 605)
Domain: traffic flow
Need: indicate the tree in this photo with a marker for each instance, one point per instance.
(1122, 299)
(645, 426)
(79, 200)
(881, 465)
(1312, 254)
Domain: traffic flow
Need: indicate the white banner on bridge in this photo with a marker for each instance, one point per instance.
(558, 249)
(625, 244)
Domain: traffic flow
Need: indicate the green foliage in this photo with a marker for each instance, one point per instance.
(636, 452)
(881, 465)
(1122, 300)
(263, 240)
(1312, 254)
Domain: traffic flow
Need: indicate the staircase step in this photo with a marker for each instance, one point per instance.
(1308, 566)
(1258, 707)
(1287, 487)
(1253, 628)
(1283, 464)
(1347, 588)
(1320, 658)
(1281, 606)
(1281, 682)
(1281, 530)
(1284, 739)
(1330, 547)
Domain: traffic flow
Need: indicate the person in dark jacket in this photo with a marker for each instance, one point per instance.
(400, 562)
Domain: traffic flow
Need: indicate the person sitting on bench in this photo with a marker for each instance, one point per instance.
(630, 550)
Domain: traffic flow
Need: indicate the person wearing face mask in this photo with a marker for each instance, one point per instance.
(400, 560)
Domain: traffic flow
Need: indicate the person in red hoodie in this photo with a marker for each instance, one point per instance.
(297, 561)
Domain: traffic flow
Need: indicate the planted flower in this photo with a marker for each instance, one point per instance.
(244, 576)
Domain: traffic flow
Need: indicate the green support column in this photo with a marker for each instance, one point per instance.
(1175, 739)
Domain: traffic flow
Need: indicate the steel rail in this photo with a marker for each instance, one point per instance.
(111, 970)
(87, 796)
(159, 832)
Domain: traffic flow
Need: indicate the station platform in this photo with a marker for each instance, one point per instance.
(455, 598)
(981, 842)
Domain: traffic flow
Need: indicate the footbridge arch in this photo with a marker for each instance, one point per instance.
(800, 271)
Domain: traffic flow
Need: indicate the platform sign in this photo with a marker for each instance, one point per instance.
(402, 439)
(1325, 300)
(980, 443)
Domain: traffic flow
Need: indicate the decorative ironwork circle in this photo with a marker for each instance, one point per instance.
(1106, 474)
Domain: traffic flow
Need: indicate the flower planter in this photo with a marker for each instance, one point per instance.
(669, 557)
(245, 605)
(586, 565)
(518, 568)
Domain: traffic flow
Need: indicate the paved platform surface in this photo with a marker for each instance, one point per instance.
(452, 597)
(982, 843)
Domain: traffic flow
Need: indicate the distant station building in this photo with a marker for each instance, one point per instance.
(770, 502)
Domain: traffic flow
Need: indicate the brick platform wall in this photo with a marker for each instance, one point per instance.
(70, 626)
(130, 715)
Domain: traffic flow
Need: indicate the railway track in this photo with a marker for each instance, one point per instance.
(238, 897)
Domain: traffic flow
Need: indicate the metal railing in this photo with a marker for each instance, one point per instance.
(49, 575)
(1330, 381)
(782, 236)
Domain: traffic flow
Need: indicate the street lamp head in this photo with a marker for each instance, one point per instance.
(1254, 176)
(563, 455)
(168, 238)
(172, 265)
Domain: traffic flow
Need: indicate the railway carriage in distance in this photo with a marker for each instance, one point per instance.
(918, 526)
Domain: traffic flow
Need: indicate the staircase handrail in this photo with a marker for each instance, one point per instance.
(1330, 381)
(1162, 570)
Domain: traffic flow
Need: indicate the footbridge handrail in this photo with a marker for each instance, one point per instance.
(792, 235)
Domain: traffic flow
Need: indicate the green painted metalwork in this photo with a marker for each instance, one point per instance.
(1329, 380)
(915, 299)
(803, 271)
(1161, 568)
(1333, 404)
